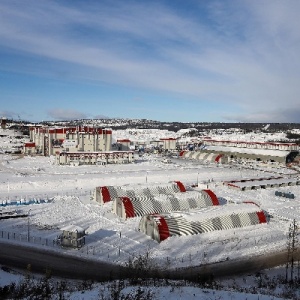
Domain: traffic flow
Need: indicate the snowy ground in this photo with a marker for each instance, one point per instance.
(70, 193)
(168, 290)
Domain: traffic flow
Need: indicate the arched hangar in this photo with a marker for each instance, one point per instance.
(162, 226)
(104, 194)
(126, 207)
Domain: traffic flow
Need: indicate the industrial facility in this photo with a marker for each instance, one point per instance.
(233, 151)
(76, 146)
(82, 145)
(48, 141)
(176, 209)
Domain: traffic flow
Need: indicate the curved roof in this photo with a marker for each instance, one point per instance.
(263, 182)
(138, 207)
(205, 156)
(204, 220)
(73, 228)
(252, 151)
(109, 193)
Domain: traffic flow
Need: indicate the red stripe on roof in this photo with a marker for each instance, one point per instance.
(167, 139)
(105, 194)
(181, 153)
(261, 217)
(65, 130)
(251, 202)
(233, 185)
(129, 210)
(213, 197)
(29, 145)
(181, 186)
(58, 130)
(123, 141)
(163, 228)
(218, 158)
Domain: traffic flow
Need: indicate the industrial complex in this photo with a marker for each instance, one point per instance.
(113, 197)
(92, 145)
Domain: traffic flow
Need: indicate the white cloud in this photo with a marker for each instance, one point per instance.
(273, 115)
(65, 114)
(8, 114)
(245, 53)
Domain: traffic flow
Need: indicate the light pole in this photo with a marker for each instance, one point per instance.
(28, 225)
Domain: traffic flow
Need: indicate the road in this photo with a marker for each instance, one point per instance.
(229, 268)
(60, 264)
(67, 266)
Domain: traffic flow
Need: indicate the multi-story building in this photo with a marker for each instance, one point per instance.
(49, 141)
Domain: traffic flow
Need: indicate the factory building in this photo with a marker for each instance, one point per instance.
(165, 144)
(49, 141)
(29, 148)
(169, 143)
(123, 144)
(94, 158)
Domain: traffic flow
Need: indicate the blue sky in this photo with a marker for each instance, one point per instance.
(186, 61)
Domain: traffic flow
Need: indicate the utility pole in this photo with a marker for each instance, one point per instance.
(28, 225)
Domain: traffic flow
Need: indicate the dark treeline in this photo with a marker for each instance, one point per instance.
(171, 126)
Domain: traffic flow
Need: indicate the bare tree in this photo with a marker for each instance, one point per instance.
(292, 244)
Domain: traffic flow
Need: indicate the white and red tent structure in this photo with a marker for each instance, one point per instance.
(244, 152)
(162, 226)
(209, 157)
(104, 194)
(128, 207)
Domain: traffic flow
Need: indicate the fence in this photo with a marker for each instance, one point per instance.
(120, 254)
(21, 237)
(24, 202)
